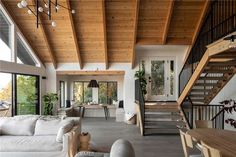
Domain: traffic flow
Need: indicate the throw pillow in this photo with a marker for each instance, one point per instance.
(63, 130)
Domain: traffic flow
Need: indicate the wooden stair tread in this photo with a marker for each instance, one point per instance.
(153, 131)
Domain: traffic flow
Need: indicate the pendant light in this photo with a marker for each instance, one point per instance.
(93, 84)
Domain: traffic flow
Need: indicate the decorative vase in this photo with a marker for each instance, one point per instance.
(84, 141)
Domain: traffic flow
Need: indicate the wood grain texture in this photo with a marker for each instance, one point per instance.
(95, 73)
(223, 140)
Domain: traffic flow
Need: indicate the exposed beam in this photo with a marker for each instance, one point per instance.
(74, 35)
(43, 30)
(105, 34)
(168, 19)
(133, 56)
(95, 73)
(198, 27)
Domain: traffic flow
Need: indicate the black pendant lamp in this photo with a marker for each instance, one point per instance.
(93, 84)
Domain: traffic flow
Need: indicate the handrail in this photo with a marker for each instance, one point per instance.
(139, 98)
(219, 22)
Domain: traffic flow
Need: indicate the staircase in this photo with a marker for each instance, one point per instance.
(211, 75)
(162, 118)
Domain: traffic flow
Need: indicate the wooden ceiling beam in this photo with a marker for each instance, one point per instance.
(95, 73)
(198, 27)
(105, 34)
(75, 38)
(45, 36)
(135, 29)
(168, 20)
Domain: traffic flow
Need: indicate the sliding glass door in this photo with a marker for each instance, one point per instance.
(26, 94)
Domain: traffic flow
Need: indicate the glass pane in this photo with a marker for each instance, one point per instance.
(5, 31)
(78, 92)
(102, 93)
(88, 94)
(112, 92)
(172, 74)
(62, 93)
(158, 78)
(23, 55)
(26, 94)
(5, 94)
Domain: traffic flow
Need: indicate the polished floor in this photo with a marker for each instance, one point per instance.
(104, 133)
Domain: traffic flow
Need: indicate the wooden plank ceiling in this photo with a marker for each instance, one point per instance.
(106, 31)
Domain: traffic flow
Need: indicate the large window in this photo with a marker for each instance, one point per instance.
(82, 94)
(27, 94)
(23, 54)
(107, 92)
(5, 38)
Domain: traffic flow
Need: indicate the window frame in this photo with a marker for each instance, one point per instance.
(13, 38)
(62, 103)
(107, 82)
(82, 88)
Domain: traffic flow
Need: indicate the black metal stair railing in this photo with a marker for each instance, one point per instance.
(215, 113)
(219, 22)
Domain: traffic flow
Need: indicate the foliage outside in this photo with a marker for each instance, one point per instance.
(140, 74)
(49, 101)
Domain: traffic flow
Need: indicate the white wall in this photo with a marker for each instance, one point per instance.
(142, 52)
(228, 92)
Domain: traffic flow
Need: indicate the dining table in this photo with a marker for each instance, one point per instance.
(223, 140)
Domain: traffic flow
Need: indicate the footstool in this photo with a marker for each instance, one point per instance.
(120, 148)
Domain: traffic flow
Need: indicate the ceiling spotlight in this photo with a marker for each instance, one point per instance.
(73, 11)
(232, 43)
(19, 5)
(54, 24)
(29, 12)
(57, 7)
(46, 6)
(24, 3)
(40, 9)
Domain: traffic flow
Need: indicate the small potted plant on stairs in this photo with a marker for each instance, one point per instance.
(49, 101)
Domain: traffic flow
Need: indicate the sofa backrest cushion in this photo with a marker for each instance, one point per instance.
(18, 126)
(49, 125)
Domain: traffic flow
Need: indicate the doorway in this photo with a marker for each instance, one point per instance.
(161, 73)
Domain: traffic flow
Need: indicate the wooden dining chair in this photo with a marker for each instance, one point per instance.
(187, 144)
(208, 151)
(203, 124)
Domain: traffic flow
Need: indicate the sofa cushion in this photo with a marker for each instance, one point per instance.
(63, 130)
(29, 144)
(18, 126)
(47, 127)
(50, 126)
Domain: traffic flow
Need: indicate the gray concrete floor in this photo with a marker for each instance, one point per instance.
(104, 133)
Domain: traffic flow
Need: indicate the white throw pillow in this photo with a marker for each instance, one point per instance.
(63, 130)
(17, 127)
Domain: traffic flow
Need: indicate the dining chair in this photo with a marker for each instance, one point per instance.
(203, 124)
(187, 144)
(209, 151)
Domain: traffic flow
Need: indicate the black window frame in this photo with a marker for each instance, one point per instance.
(62, 103)
(82, 88)
(107, 97)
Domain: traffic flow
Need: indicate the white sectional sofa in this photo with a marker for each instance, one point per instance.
(39, 136)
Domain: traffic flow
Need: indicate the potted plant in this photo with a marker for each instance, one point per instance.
(140, 74)
(49, 100)
(230, 107)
